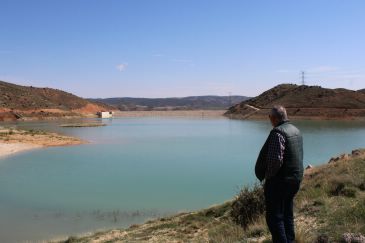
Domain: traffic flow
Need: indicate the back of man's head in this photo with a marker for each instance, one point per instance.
(279, 112)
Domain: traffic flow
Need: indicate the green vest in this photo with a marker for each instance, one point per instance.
(292, 168)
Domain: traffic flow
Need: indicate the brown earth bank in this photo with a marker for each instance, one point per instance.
(14, 140)
(330, 207)
(303, 102)
(175, 113)
(302, 114)
(28, 102)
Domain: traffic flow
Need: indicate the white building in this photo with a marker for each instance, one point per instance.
(105, 114)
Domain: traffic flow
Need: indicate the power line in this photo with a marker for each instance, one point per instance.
(303, 77)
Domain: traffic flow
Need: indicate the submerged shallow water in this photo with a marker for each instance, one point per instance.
(139, 168)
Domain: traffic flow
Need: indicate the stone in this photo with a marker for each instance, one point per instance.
(356, 152)
(340, 157)
(344, 156)
(322, 239)
(333, 159)
(353, 238)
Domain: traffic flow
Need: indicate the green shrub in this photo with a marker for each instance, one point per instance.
(336, 188)
(248, 206)
(323, 238)
(361, 186)
(340, 189)
(348, 192)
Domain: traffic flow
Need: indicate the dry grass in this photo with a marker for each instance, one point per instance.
(36, 137)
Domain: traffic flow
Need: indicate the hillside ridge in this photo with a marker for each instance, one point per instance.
(303, 101)
(17, 101)
(208, 102)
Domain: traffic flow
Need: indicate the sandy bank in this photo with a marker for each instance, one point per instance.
(7, 149)
(13, 141)
(176, 113)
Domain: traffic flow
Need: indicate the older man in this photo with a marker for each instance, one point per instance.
(280, 164)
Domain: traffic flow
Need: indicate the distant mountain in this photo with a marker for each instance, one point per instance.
(29, 101)
(303, 101)
(185, 103)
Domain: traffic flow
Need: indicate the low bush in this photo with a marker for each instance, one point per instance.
(361, 186)
(248, 206)
(340, 189)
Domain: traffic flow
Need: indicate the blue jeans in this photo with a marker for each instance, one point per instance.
(279, 197)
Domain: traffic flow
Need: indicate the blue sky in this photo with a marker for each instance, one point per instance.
(156, 48)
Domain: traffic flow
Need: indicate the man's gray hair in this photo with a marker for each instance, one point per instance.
(279, 111)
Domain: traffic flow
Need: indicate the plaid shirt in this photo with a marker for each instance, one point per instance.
(275, 154)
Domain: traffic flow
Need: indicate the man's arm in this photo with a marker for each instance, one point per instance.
(275, 154)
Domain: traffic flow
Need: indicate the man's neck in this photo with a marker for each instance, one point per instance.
(281, 123)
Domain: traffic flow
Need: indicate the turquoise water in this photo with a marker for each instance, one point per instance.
(139, 168)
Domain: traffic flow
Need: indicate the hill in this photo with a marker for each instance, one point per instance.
(303, 102)
(184, 103)
(28, 101)
(330, 207)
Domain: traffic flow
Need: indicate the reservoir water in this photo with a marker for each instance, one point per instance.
(139, 168)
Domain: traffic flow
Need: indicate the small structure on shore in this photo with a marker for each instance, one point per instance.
(105, 114)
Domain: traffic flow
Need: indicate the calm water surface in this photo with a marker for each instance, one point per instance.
(139, 168)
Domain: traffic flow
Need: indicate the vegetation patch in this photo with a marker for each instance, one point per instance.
(248, 206)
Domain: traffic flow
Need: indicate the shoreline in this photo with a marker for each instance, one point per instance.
(9, 149)
(249, 112)
(196, 113)
(294, 118)
(14, 141)
(173, 113)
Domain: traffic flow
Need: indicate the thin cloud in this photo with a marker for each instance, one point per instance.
(158, 55)
(322, 69)
(317, 70)
(122, 67)
(182, 60)
(284, 71)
